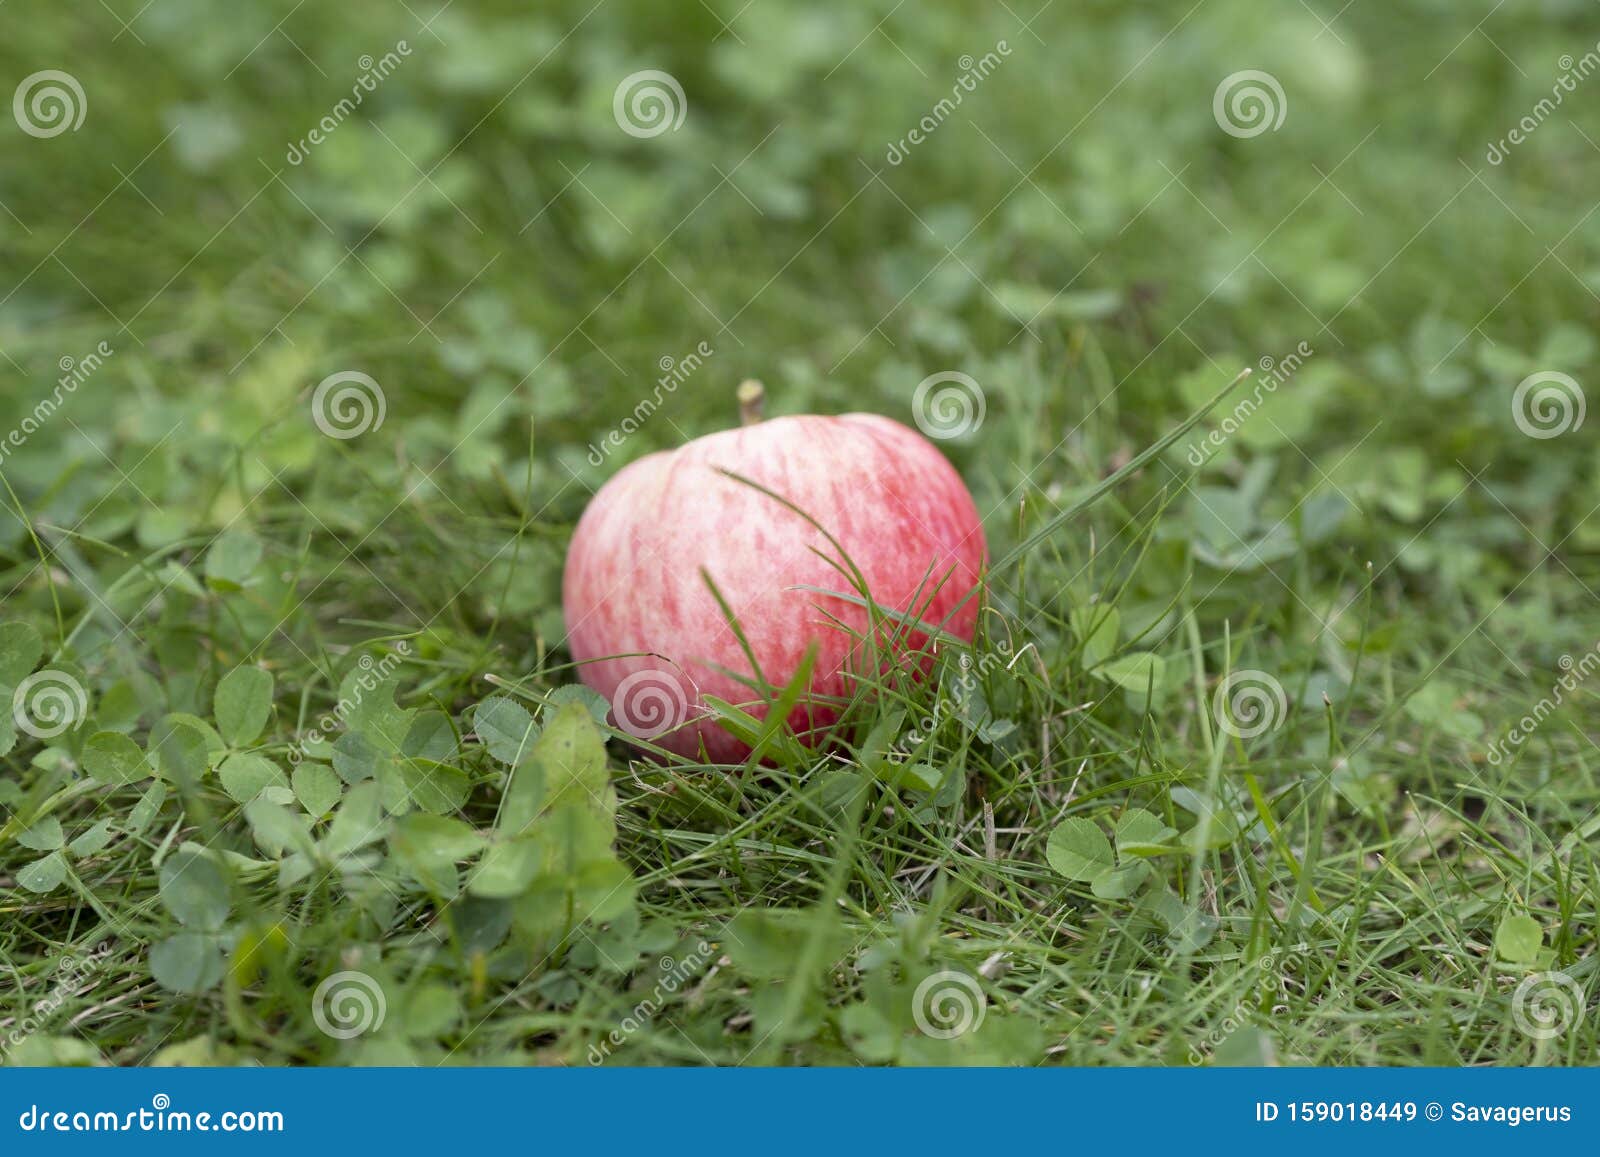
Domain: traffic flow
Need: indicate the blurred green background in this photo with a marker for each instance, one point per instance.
(480, 238)
(1082, 235)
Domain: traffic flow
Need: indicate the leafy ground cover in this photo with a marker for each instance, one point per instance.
(1277, 746)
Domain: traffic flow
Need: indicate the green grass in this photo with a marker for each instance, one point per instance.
(1367, 880)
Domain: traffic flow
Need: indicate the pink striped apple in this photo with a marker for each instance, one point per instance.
(645, 626)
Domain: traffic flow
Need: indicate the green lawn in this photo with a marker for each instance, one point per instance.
(1281, 747)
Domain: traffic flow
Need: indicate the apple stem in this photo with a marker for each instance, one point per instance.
(752, 397)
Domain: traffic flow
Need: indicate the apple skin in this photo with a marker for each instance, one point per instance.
(633, 579)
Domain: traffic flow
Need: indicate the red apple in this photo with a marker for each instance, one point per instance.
(647, 630)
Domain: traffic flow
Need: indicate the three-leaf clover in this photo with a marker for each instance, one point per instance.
(1079, 849)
